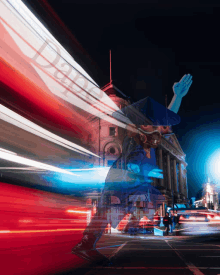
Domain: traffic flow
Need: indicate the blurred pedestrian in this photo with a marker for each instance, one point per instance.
(172, 222)
(156, 219)
(167, 222)
(176, 219)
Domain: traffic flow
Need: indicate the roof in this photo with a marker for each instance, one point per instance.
(111, 89)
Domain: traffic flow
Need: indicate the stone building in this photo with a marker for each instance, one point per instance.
(209, 198)
(106, 141)
(171, 159)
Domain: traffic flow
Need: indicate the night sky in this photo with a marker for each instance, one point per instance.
(153, 45)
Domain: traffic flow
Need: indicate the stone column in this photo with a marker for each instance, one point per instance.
(180, 178)
(187, 190)
(185, 183)
(168, 172)
(174, 176)
(160, 158)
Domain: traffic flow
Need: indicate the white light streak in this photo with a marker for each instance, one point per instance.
(90, 169)
(6, 151)
(25, 124)
(29, 35)
(23, 11)
(18, 168)
(25, 161)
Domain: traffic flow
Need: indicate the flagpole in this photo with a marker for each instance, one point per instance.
(110, 67)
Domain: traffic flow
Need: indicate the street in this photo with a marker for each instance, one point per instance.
(49, 252)
(157, 255)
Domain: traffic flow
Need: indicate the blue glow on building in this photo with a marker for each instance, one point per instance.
(87, 178)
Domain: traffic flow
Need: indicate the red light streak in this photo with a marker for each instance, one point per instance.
(25, 221)
(95, 103)
(49, 106)
(189, 222)
(39, 231)
(77, 211)
(197, 218)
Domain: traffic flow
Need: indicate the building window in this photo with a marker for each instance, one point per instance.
(89, 138)
(112, 131)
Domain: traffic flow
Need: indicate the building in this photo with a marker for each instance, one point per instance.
(209, 197)
(171, 159)
(106, 141)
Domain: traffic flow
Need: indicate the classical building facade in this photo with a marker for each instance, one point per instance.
(106, 140)
(171, 159)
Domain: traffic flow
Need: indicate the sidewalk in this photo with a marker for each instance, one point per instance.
(157, 233)
(144, 236)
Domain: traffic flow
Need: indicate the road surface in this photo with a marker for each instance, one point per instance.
(50, 253)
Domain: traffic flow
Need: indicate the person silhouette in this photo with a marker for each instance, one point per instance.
(131, 173)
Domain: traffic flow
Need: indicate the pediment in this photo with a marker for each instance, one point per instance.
(172, 139)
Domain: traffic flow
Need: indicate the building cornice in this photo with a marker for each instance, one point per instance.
(168, 146)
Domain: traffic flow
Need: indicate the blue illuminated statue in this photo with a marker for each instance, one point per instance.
(180, 89)
(131, 172)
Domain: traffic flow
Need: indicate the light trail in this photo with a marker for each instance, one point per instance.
(189, 222)
(21, 160)
(38, 231)
(209, 222)
(28, 33)
(78, 211)
(89, 169)
(25, 124)
(28, 17)
(21, 168)
(6, 151)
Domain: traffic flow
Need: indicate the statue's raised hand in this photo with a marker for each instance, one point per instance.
(181, 88)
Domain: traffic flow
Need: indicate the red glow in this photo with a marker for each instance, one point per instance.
(26, 221)
(123, 222)
(28, 209)
(144, 221)
(77, 211)
(28, 91)
(38, 231)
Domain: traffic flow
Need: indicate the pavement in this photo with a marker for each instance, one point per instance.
(156, 255)
(49, 253)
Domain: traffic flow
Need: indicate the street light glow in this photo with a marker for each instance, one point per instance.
(208, 188)
(213, 166)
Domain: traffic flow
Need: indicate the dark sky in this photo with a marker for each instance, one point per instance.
(153, 45)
